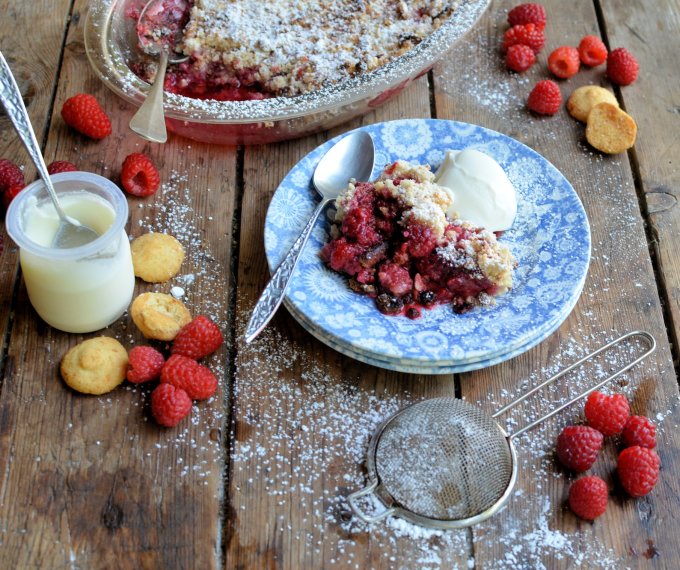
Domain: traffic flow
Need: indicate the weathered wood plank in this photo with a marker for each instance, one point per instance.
(92, 481)
(34, 65)
(653, 102)
(620, 294)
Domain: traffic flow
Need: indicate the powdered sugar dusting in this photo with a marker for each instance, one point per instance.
(301, 442)
(176, 216)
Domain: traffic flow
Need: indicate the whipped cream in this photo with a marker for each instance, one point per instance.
(482, 193)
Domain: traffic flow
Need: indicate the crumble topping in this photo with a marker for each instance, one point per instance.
(294, 46)
(424, 201)
(482, 248)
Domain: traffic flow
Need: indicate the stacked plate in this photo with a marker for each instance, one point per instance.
(550, 239)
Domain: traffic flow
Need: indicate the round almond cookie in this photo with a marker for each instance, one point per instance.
(610, 129)
(156, 257)
(95, 366)
(583, 99)
(159, 316)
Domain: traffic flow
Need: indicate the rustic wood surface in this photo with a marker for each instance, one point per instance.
(257, 477)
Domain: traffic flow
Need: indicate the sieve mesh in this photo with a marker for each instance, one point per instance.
(444, 459)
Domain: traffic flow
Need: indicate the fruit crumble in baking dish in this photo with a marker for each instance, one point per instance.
(249, 49)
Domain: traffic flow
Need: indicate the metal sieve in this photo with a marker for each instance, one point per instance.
(444, 463)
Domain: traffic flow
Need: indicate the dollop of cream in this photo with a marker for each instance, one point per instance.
(482, 192)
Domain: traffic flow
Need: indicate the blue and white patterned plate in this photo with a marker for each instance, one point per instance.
(400, 365)
(550, 238)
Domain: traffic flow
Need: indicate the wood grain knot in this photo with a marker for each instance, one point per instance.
(660, 199)
(112, 516)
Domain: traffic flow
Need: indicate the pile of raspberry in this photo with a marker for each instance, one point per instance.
(525, 39)
(83, 113)
(579, 445)
(182, 378)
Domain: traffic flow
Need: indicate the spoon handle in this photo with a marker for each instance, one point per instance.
(149, 120)
(273, 293)
(10, 95)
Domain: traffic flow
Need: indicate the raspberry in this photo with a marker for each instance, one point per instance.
(198, 338)
(520, 58)
(564, 62)
(545, 98)
(592, 51)
(183, 372)
(169, 404)
(607, 414)
(527, 34)
(145, 364)
(139, 176)
(638, 469)
(61, 166)
(527, 14)
(10, 175)
(622, 67)
(588, 497)
(578, 446)
(83, 113)
(9, 194)
(639, 431)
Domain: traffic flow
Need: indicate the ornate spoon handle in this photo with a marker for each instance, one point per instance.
(16, 111)
(273, 293)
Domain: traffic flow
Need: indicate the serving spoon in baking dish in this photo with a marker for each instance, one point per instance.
(159, 29)
(352, 157)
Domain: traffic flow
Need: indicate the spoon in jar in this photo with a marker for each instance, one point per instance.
(350, 158)
(159, 29)
(71, 232)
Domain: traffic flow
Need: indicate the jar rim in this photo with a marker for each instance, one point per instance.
(64, 184)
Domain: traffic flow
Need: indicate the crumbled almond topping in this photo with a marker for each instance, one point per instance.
(493, 258)
(294, 46)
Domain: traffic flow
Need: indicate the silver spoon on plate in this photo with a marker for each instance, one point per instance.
(160, 31)
(351, 157)
(71, 232)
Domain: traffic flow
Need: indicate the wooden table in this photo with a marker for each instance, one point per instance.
(258, 476)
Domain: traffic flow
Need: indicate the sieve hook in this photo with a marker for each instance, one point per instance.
(353, 503)
(652, 346)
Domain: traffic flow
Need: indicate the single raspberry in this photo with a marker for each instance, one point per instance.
(622, 67)
(61, 166)
(520, 58)
(139, 176)
(10, 175)
(527, 34)
(83, 113)
(545, 98)
(169, 404)
(198, 338)
(578, 446)
(527, 14)
(564, 62)
(9, 194)
(197, 380)
(639, 431)
(146, 364)
(592, 51)
(638, 469)
(607, 414)
(588, 497)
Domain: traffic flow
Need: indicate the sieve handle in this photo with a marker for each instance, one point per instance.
(652, 346)
(353, 503)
